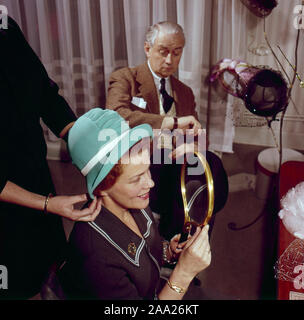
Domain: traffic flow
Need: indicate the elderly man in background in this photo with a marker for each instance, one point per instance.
(150, 93)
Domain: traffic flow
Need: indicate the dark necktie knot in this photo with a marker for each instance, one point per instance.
(162, 85)
(167, 99)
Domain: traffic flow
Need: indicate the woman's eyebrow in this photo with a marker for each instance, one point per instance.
(140, 174)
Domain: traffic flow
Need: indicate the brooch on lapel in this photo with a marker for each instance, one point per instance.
(132, 248)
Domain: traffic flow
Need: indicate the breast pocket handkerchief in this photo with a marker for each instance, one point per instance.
(139, 102)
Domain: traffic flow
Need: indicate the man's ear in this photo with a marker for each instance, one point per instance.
(147, 48)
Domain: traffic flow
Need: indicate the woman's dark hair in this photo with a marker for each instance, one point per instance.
(110, 179)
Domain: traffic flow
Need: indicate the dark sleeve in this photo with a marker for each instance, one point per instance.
(29, 81)
(55, 112)
(4, 167)
(6, 143)
(6, 126)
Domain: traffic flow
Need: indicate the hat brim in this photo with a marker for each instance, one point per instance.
(105, 165)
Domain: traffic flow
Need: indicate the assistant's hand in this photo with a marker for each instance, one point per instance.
(64, 206)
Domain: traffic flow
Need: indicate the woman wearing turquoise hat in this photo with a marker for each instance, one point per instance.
(120, 254)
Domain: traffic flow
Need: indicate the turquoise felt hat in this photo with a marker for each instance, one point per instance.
(98, 139)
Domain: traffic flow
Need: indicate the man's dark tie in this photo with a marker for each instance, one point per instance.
(167, 99)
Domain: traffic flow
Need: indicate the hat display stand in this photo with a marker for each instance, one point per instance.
(259, 10)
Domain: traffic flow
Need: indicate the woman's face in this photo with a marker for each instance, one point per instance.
(131, 189)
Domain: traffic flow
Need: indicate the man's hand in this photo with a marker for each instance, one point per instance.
(189, 122)
(184, 123)
(190, 145)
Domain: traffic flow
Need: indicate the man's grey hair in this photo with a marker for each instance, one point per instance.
(164, 26)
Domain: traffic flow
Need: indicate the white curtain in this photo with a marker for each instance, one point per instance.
(81, 42)
(214, 30)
